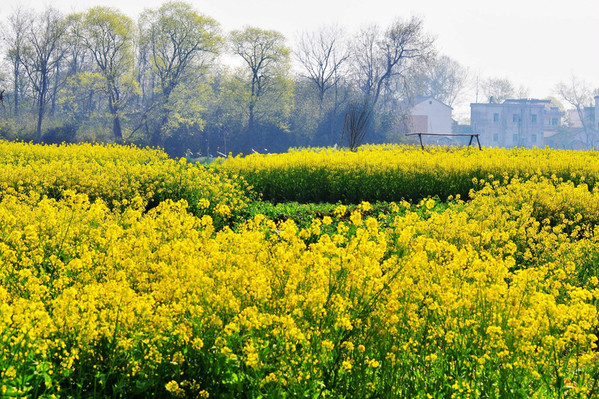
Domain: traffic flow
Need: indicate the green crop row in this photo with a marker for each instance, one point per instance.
(391, 173)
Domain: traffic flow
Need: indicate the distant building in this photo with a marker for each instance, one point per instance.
(429, 115)
(573, 118)
(515, 122)
(577, 135)
(590, 115)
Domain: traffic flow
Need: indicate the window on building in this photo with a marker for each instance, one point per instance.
(554, 122)
(430, 102)
(515, 118)
(515, 138)
(534, 118)
(533, 138)
(495, 117)
(495, 137)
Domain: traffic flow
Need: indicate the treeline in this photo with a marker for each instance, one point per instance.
(174, 79)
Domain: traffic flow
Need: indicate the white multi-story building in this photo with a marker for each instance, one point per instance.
(515, 122)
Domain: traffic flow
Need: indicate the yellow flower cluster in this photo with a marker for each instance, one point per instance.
(487, 298)
(117, 175)
(393, 172)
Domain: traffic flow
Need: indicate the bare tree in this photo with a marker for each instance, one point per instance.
(41, 56)
(378, 56)
(498, 90)
(523, 92)
(578, 94)
(443, 79)
(356, 122)
(14, 38)
(322, 54)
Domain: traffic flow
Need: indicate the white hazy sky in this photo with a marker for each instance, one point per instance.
(533, 43)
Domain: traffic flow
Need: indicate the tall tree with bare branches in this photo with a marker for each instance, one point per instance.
(380, 55)
(323, 54)
(44, 49)
(14, 39)
(443, 79)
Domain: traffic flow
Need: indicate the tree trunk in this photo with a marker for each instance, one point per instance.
(55, 89)
(320, 99)
(16, 88)
(41, 105)
(159, 133)
(116, 122)
(333, 119)
(90, 103)
(250, 134)
(249, 141)
(116, 128)
(40, 116)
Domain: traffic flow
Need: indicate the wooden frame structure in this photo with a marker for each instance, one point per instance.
(472, 136)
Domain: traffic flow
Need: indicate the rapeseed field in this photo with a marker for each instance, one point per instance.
(388, 172)
(126, 274)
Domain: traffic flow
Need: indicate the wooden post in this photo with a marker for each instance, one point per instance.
(472, 137)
